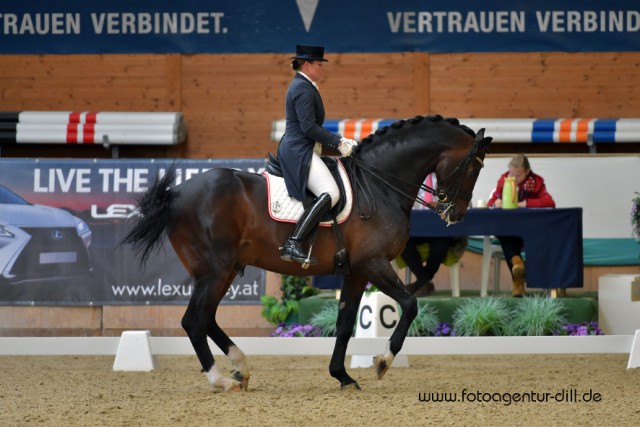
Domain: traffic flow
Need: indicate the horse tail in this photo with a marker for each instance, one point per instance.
(155, 210)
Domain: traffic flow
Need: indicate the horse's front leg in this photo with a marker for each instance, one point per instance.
(385, 278)
(350, 297)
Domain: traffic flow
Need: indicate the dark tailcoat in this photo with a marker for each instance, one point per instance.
(305, 116)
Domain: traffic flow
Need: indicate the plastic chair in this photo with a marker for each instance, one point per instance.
(490, 251)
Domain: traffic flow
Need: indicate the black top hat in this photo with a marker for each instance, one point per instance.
(310, 53)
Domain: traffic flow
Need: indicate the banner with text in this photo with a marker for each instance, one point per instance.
(60, 224)
(249, 26)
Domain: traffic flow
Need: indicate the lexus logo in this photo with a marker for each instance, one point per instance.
(57, 235)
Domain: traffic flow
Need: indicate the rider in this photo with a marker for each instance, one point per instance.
(301, 145)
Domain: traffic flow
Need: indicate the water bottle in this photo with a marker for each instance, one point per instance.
(510, 193)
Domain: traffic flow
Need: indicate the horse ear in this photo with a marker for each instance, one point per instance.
(485, 142)
(481, 140)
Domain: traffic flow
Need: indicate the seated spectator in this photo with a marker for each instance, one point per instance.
(439, 250)
(532, 193)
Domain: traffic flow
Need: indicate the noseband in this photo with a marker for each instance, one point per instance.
(445, 196)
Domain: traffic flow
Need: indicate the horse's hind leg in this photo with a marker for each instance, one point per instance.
(237, 357)
(199, 321)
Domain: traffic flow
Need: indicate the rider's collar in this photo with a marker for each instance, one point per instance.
(307, 77)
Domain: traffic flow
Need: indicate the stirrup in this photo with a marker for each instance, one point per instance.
(305, 260)
(308, 261)
(295, 252)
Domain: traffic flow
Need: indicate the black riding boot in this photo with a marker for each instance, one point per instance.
(292, 249)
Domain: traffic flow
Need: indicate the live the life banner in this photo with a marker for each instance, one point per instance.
(249, 26)
(60, 224)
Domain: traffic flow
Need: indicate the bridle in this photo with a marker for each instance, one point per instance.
(445, 197)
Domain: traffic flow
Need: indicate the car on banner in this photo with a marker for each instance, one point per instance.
(40, 243)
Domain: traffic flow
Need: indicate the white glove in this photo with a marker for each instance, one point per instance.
(346, 146)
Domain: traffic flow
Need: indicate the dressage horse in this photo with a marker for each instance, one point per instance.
(217, 223)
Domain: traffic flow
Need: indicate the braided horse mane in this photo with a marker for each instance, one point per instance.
(411, 122)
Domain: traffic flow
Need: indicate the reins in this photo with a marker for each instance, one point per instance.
(376, 172)
(442, 196)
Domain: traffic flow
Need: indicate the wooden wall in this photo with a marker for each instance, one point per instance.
(536, 84)
(230, 102)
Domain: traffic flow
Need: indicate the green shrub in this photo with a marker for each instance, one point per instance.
(296, 287)
(293, 289)
(275, 311)
(537, 315)
(481, 316)
(425, 323)
(326, 319)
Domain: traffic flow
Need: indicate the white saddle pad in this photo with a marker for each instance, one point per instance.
(288, 209)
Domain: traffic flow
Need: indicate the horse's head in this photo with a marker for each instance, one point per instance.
(401, 155)
(457, 172)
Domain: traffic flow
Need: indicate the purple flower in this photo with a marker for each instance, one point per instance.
(296, 330)
(444, 330)
(584, 328)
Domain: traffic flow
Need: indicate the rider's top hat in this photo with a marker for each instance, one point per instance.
(310, 53)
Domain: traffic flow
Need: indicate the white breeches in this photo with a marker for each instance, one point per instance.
(321, 181)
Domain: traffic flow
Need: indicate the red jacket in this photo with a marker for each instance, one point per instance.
(532, 190)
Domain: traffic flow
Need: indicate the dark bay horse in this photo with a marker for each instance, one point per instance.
(217, 223)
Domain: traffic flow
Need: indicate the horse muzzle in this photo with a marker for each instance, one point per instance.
(451, 214)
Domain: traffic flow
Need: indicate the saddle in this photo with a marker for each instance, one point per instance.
(287, 209)
(340, 211)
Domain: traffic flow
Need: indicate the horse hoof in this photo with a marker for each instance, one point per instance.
(244, 381)
(233, 387)
(380, 362)
(228, 385)
(351, 386)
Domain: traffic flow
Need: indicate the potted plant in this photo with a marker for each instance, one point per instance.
(293, 288)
